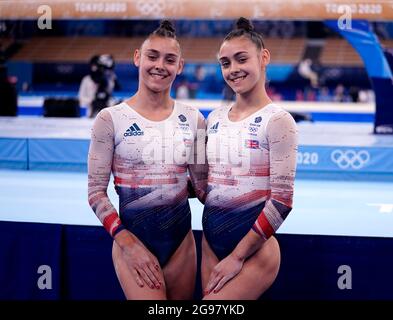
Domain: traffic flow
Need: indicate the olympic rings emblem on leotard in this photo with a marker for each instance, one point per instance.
(350, 159)
(182, 118)
(153, 8)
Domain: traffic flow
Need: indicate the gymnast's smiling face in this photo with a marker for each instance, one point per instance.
(242, 64)
(159, 61)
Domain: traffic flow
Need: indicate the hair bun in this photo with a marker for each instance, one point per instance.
(167, 25)
(244, 24)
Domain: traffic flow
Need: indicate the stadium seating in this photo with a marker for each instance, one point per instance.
(80, 49)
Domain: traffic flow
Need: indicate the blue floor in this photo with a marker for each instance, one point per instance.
(321, 207)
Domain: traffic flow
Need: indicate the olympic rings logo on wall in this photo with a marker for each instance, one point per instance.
(151, 8)
(350, 159)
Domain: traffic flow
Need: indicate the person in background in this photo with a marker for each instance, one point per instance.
(339, 94)
(324, 95)
(8, 93)
(306, 71)
(354, 94)
(197, 81)
(183, 90)
(96, 88)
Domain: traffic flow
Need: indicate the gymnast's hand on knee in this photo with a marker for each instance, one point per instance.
(142, 263)
(224, 271)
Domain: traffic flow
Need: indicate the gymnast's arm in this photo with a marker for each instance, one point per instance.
(100, 159)
(198, 168)
(99, 170)
(283, 143)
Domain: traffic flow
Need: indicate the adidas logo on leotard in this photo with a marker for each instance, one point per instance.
(214, 128)
(134, 130)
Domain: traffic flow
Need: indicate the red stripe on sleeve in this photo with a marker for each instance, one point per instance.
(265, 225)
(109, 220)
(256, 230)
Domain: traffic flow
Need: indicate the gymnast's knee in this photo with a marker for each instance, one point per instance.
(270, 256)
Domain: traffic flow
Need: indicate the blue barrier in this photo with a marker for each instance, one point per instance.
(14, 153)
(71, 155)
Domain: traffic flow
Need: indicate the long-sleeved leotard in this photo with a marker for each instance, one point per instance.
(149, 161)
(252, 166)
